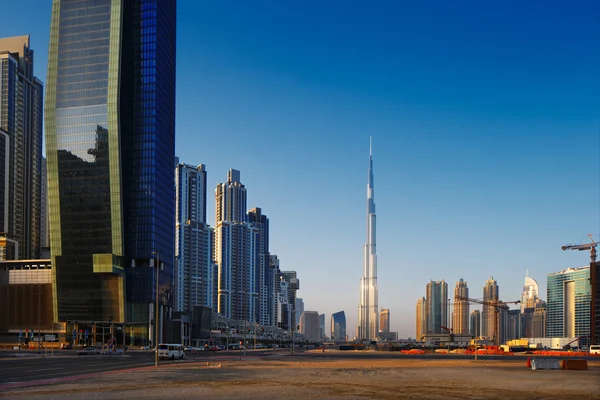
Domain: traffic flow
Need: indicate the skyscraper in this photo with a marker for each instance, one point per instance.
(321, 326)
(475, 323)
(384, 323)
(530, 293)
(421, 321)
(488, 315)
(460, 314)
(338, 326)
(193, 238)
(436, 306)
(21, 113)
(368, 324)
(264, 274)
(233, 245)
(568, 309)
(110, 126)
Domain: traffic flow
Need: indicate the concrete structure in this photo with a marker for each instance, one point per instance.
(460, 313)
(110, 146)
(299, 309)
(475, 323)
(193, 240)
(310, 326)
(437, 306)
(368, 321)
(513, 325)
(421, 320)
(384, 323)
(488, 314)
(569, 298)
(338, 327)
(21, 116)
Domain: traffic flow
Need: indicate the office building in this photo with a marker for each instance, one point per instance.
(194, 280)
(264, 274)
(21, 116)
(384, 323)
(437, 305)
(368, 321)
(421, 321)
(310, 326)
(321, 327)
(488, 314)
(338, 326)
(595, 303)
(110, 147)
(475, 323)
(460, 313)
(568, 307)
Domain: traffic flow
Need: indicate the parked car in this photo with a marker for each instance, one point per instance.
(116, 352)
(88, 350)
(66, 346)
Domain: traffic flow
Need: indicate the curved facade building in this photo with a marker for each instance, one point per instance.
(530, 293)
(338, 327)
(110, 145)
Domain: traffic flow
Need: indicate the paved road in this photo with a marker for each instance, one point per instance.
(30, 367)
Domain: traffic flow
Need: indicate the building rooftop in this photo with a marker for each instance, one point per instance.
(567, 270)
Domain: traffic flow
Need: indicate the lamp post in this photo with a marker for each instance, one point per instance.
(156, 309)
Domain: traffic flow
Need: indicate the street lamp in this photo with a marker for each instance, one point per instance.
(155, 253)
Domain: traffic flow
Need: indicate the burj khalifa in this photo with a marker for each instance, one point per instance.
(368, 321)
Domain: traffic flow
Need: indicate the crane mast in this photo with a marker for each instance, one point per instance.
(496, 304)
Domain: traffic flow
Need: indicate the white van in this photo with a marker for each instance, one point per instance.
(595, 349)
(171, 351)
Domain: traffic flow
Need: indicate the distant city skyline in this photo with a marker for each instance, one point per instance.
(486, 122)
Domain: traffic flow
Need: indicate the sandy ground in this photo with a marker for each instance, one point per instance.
(330, 379)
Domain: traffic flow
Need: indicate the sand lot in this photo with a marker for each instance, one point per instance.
(329, 379)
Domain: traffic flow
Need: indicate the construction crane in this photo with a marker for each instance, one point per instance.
(588, 246)
(497, 304)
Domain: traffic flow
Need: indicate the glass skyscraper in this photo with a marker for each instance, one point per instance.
(110, 126)
(568, 306)
(21, 111)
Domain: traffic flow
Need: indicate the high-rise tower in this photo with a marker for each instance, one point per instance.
(460, 314)
(368, 321)
(21, 113)
(488, 314)
(193, 238)
(110, 130)
(436, 306)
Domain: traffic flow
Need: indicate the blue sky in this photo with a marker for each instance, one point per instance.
(485, 125)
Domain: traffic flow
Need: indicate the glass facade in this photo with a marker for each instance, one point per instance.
(338, 326)
(110, 124)
(568, 306)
